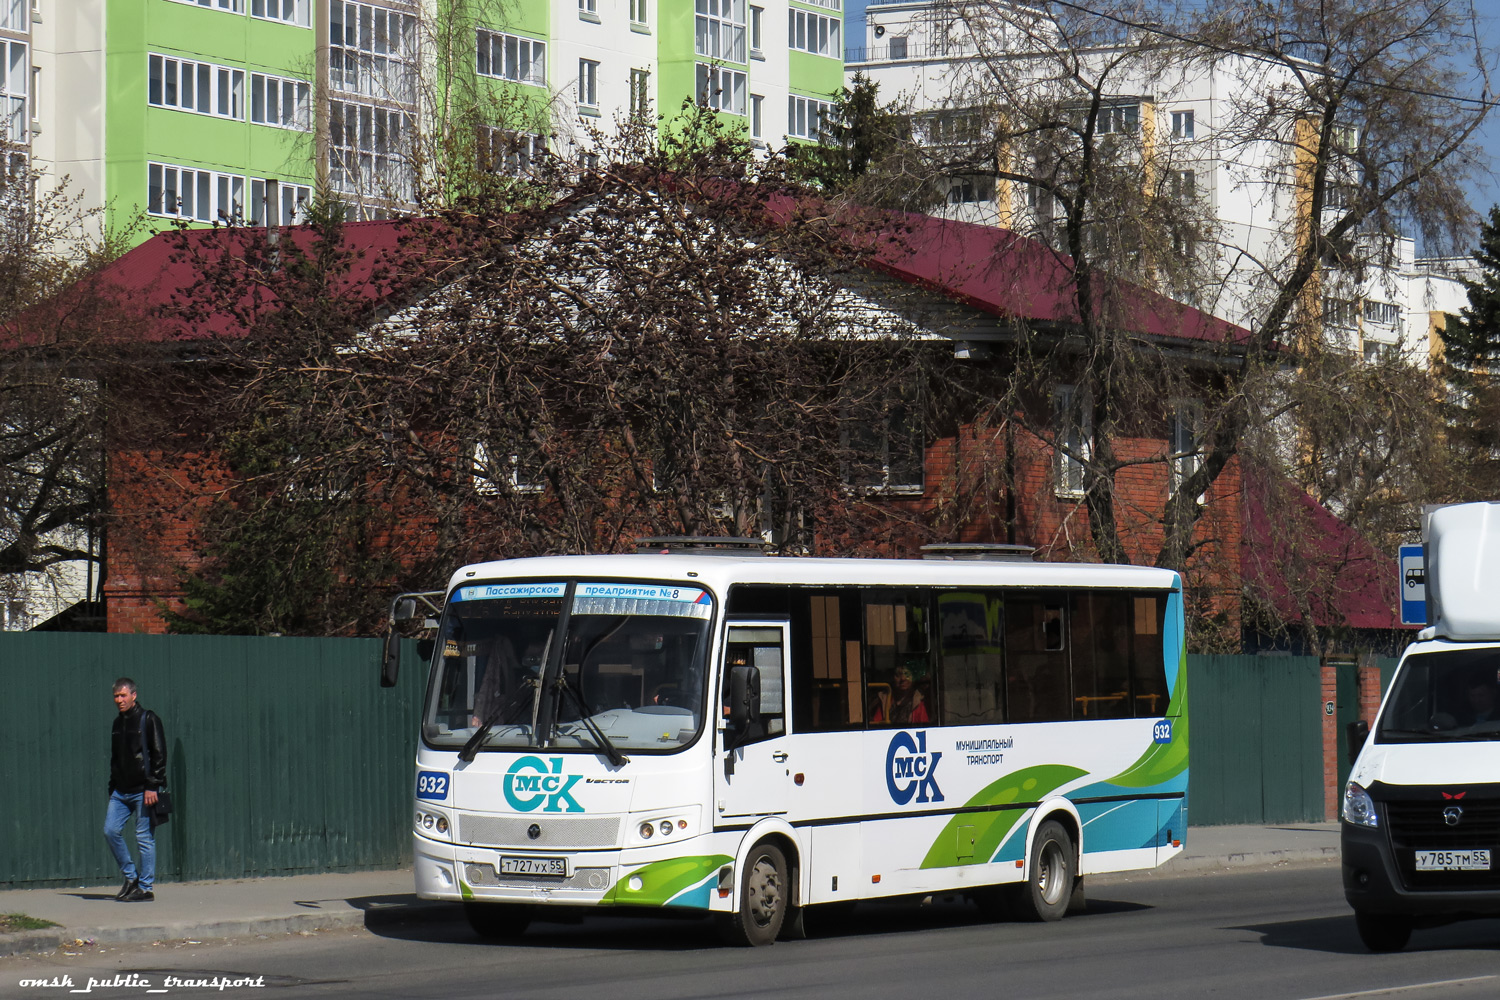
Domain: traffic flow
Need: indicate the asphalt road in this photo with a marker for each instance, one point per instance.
(1266, 935)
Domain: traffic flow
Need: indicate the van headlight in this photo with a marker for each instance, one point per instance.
(1359, 808)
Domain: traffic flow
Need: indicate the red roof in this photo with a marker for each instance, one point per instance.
(1303, 559)
(989, 269)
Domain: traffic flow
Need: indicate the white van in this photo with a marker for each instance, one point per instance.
(1421, 811)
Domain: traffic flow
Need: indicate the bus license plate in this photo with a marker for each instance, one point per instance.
(534, 866)
(1453, 861)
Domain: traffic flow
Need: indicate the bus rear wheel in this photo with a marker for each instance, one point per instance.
(1383, 932)
(1049, 886)
(498, 921)
(763, 900)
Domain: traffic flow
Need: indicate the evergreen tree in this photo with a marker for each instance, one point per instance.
(1471, 355)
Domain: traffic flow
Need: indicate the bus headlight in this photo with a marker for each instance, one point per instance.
(1359, 808)
(431, 824)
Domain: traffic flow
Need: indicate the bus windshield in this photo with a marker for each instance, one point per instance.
(1443, 696)
(633, 665)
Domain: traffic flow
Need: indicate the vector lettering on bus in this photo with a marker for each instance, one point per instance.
(910, 770)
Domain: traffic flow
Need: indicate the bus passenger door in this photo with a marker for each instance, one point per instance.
(753, 768)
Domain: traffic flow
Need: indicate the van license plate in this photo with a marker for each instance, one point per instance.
(550, 866)
(1453, 861)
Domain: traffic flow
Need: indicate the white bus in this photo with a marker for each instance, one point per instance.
(750, 735)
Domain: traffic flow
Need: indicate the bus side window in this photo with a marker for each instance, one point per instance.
(900, 687)
(1101, 655)
(1148, 665)
(827, 682)
(971, 656)
(1036, 658)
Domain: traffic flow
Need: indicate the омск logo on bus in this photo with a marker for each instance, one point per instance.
(530, 782)
(910, 769)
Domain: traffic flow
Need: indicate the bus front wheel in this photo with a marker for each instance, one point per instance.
(498, 921)
(1049, 886)
(763, 900)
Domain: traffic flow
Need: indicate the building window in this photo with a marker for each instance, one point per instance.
(971, 190)
(1382, 313)
(285, 204)
(640, 91)
(503, 151)
(1182, 124)
(638, 12)
(1182, 446)
(15, 75)
(372, 51)
(805, 117)
(280, 102)
(589, 7)
(233, 6)
(719, 30)
(830, 4)
(886, 454)
(188, 193)
(366, 151)
(721, 89)
(510, 57)
(588, 84)
(1339, 312)
(949, 128)
(497, 471)
(897, 47)
(290, 11)
(13, 15)
(197, 87)
(757, 130)
(1073, 424)
(1118, 119)
(757, 32)
(813, 33)
(1182, 184)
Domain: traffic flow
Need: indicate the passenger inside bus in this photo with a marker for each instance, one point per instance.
(901, 703)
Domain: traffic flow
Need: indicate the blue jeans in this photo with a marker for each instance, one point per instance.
(120, 808)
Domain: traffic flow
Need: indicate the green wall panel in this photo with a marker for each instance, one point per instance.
(284, 755)
(1257, 753)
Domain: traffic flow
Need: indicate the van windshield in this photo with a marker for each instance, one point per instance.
(1444, 696)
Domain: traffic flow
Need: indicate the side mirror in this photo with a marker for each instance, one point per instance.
(744, 705)
(392, 663)
(404, 610)
(1356, 733)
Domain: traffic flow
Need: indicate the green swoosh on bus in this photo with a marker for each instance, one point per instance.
(1163, 761)
(661, 880)
(988, 829)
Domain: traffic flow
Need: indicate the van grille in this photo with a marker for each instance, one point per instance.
(1414, 817)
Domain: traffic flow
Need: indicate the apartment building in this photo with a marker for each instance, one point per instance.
(927, 52)
(208, 109)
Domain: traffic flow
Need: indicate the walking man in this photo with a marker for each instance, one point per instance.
(137, 769)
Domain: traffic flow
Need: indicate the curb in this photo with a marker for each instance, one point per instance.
(54, 939)
(1251, 859)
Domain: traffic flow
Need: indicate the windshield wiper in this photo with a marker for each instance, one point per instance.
(496, 715)
(586, 717)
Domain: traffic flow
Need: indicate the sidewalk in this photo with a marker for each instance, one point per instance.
(202, 910)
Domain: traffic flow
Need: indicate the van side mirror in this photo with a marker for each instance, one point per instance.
(744, 705)
(1355, 735)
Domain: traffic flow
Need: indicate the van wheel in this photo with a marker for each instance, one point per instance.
(1382, 931)
(1049, 885)
(498, 921)
(763, 900)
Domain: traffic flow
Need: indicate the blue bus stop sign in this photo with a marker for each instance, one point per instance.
(1412, 585)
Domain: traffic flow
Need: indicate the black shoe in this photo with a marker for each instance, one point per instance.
(139, 895)
(131, 885)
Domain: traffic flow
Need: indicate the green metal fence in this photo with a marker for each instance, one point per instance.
(284, 755)
(1257, 740)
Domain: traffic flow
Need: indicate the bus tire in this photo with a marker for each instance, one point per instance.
(498, 921)
(764, 897)
(1049, 884)
(1382, 931)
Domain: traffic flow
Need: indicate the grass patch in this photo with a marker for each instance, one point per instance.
(10, 922)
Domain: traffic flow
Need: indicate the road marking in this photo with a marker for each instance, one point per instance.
(1389, 990)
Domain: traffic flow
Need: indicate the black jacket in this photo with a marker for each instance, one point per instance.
(127, 765)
